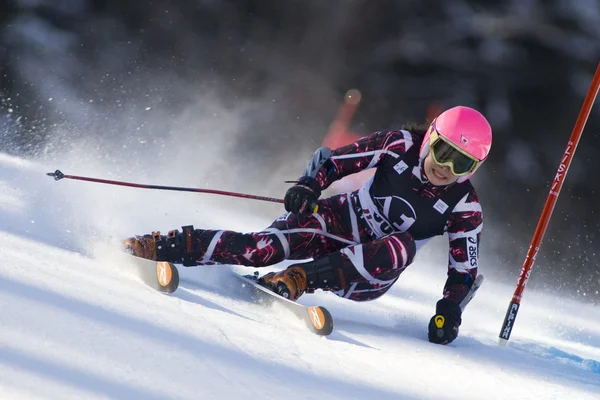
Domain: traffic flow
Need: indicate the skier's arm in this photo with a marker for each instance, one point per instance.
(327, 166)
(464, 229)
(367, 152)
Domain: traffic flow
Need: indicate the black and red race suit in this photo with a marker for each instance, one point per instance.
(373, 232)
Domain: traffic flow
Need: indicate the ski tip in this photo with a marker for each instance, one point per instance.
(320, 320)
(167, 277)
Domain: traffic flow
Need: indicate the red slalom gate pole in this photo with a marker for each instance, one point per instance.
(57, 175)
(338, 133)
(534, 247)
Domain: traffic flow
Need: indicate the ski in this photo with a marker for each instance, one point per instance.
(317, 318)
(476, 285)
(160, 275)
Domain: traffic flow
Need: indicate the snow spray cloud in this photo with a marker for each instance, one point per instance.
(153, 98)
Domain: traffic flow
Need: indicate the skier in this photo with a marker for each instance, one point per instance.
(360, 242)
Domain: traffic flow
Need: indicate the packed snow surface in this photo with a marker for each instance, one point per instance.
(77, 323)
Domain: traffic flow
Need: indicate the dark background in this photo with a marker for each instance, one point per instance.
(94, 68)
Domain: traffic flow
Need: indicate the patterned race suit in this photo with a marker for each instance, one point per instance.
(372, 233)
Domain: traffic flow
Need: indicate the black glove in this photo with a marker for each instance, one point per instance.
(302, 197)
(443, 326)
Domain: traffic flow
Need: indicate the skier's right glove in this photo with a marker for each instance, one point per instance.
(303, 196)
(443, 326)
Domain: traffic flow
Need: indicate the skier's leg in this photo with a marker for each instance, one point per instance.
(359, 272)
(295, 236)
(205, 247)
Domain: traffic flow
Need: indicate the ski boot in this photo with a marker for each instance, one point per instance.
(289, 283)
(143, 246)
(298, 279)
(177, 247)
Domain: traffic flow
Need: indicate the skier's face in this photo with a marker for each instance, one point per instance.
(438, 175)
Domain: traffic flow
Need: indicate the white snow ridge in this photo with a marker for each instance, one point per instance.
(77, 323)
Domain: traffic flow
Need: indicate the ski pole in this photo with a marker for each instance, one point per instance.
(58, 175)
(534, 247)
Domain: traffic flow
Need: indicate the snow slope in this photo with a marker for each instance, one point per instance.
(76, 323)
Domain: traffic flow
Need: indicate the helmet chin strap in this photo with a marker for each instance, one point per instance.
(464, 178)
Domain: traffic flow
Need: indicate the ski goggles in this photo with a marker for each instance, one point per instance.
(448, 154)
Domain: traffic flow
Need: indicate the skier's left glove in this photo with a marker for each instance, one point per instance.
(303, 196)
(443, 326)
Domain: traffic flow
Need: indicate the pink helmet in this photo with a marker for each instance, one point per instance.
(466, 129)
